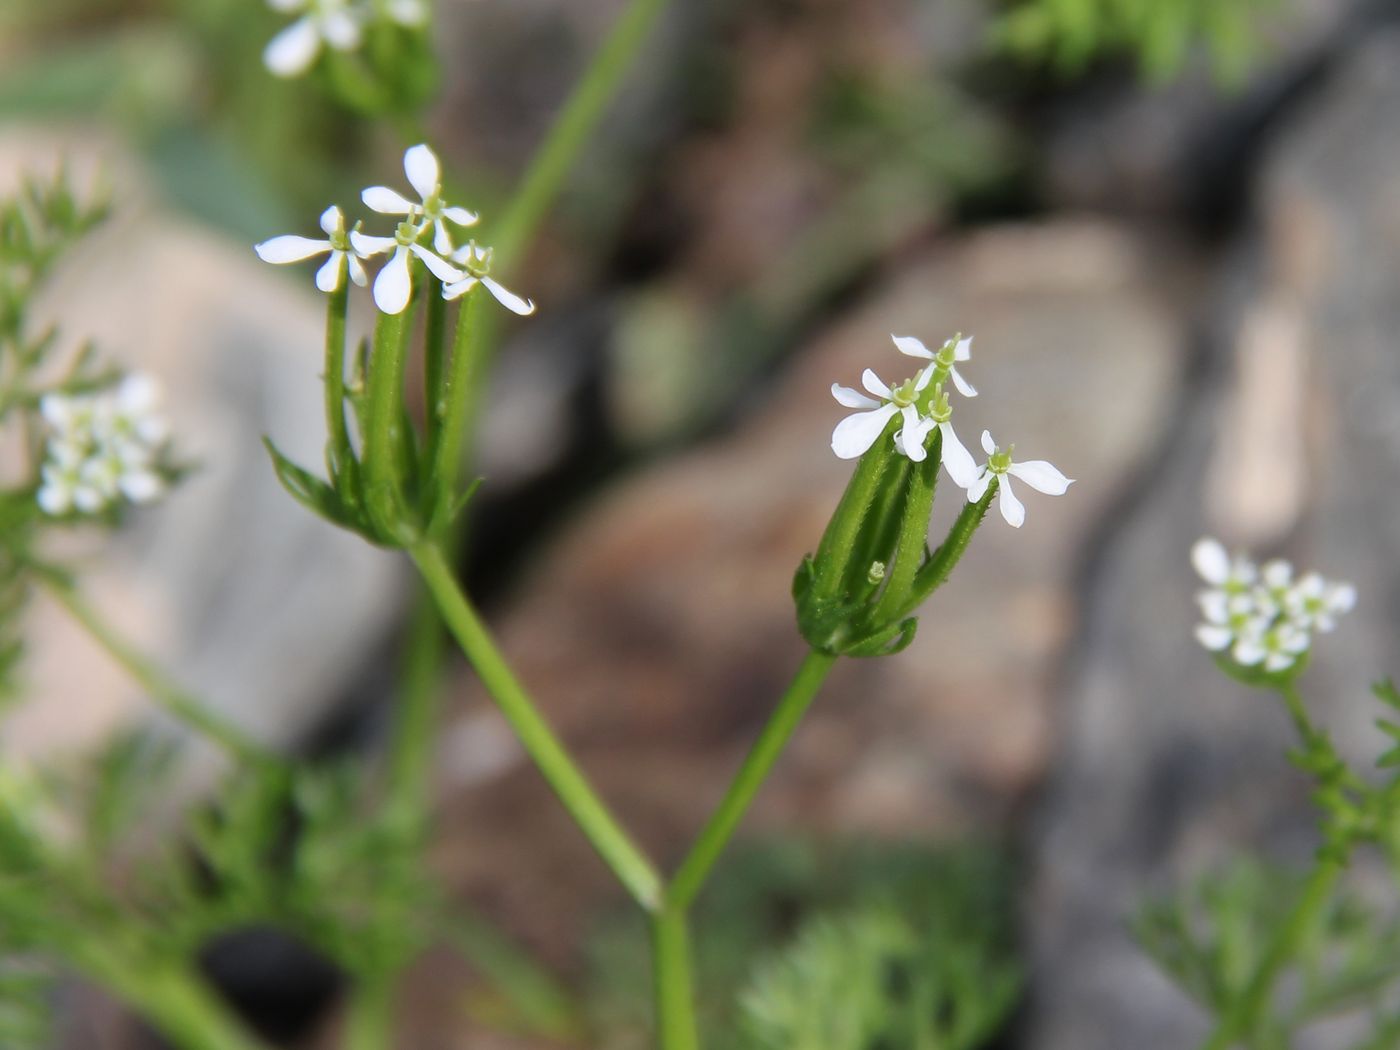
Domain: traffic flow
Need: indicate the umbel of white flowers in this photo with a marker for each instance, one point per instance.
(103, 448)
(922, 404)
(428, 219)
(337, 24)
(1263, 617)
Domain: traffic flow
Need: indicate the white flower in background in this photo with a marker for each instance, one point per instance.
(1277, 647)
(332, 23)
(1218, 569)
(1315, 603)
(1036, 473)
(1263, 617)
(394, 285)
(945, 359)
(477, 262)
(424, 173)
(855, 434)
(343, 254)
(102, 447)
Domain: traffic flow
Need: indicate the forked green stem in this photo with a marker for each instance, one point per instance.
(676, 1027)
(629, 864)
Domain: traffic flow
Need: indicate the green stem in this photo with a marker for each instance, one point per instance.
(696, 867)
(435, 349)
(340, 455)
(933, 575)
(411, 757)
(161, 688)
(370, 1015)
(384, 441)
(1242, 1018)
(674, 987)
(459, 396)
(592, 815)
(573, 128)
(912, 544)
(843, 534)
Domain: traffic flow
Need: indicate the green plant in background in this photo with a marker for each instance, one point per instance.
(1270, 952)
(1161, 33)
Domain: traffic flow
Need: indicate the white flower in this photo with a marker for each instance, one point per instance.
(1315, 603)
(343, 254)
(1217, 568)
(477, 262)
(1229, 617)
(333, 22)
(424, 173)
(1277, 647)
(1036, 473)
(944, 359)
(394, 285)
(855, 434)
(103, 447)
(411, 13)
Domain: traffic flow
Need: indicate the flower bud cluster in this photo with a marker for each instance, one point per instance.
(103, 448)
(426, 231)
(1263, 617)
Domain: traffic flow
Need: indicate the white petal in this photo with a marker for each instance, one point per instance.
(287, 6)
(357, 271)
(328, 276)
(290, 248)
(855, 434)
(332, 220)
(965, 388)
(1278, 662)
(142, 486)
(1248, 652)
(138, 394)
(1012, 509)
(366, 246)
(874, 384)
(442, 240)
(913, 435)
(957, 459)
(459, 289)
(1342, 598)
(907, 344)
(461, 216)
(387, 202)
(988, 445)
(1277, 574)
(1041, 476)
(963, 351)
(341, 30)
(1213, 637)
(1210, 560)
(292, 51)
(424, 172)
(408, 12)
(927, 374)
(508, 299)
(441, 269)
(1215, 606)
(978, 488)
(55, 499)
(394, 286)
(852, 398)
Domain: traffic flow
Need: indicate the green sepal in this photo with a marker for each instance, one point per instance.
(885, 642)
(310, 491)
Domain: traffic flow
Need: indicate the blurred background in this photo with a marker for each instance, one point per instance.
(1180, 258)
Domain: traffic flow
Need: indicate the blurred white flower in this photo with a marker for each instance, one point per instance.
(394, 285)
(343, 255)
(1277, 647)
(855, 434)
(424, 173)
(338, 24)
(477, 263)
(1037, 473)
(1217, 568)
(945, 359)
(411, 13)
(102, 447)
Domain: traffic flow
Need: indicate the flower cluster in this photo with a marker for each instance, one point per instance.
(337, 24)
(922, 404)
(103, 448)
(1263, 616)
(425, 231)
